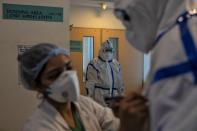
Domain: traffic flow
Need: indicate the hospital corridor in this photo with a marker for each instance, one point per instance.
(98, 65)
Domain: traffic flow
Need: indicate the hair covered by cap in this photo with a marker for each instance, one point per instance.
(105, 45)
(32, 61)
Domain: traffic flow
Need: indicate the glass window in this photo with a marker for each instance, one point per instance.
(147, 59)
(115, 45)
(88, 52)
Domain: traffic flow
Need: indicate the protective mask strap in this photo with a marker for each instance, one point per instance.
(183, 17)
(190, 51)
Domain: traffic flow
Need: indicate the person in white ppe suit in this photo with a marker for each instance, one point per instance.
(104, 75)
(47, 69)
(167, 28)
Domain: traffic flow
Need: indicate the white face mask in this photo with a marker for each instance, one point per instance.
(107, 55)
(65, 88)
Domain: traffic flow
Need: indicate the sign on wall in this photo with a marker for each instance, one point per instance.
(21, 49)
(34, 13)
(75, 46)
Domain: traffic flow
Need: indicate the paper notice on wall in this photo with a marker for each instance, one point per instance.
(21, 49)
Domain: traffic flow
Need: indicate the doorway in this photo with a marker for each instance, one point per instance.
(91, 39)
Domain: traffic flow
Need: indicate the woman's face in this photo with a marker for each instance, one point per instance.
(55, 66)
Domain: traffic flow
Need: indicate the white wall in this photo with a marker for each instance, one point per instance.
(16, 103)
(93, 17)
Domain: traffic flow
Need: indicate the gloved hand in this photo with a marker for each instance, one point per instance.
(133, 113)
(114, 104)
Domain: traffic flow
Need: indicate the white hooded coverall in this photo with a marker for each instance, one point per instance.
(171, 33)
(104, 76)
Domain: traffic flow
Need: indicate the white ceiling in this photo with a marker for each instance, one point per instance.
(92, 3)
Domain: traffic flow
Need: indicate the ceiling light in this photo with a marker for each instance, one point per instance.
(104, 6)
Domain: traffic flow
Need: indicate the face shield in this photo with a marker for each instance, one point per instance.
(106, 51)
(109, 50)
(140, 20)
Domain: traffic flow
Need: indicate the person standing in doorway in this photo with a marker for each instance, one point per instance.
(104, 76)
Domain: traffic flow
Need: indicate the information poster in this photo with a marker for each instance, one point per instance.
(33, 13)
